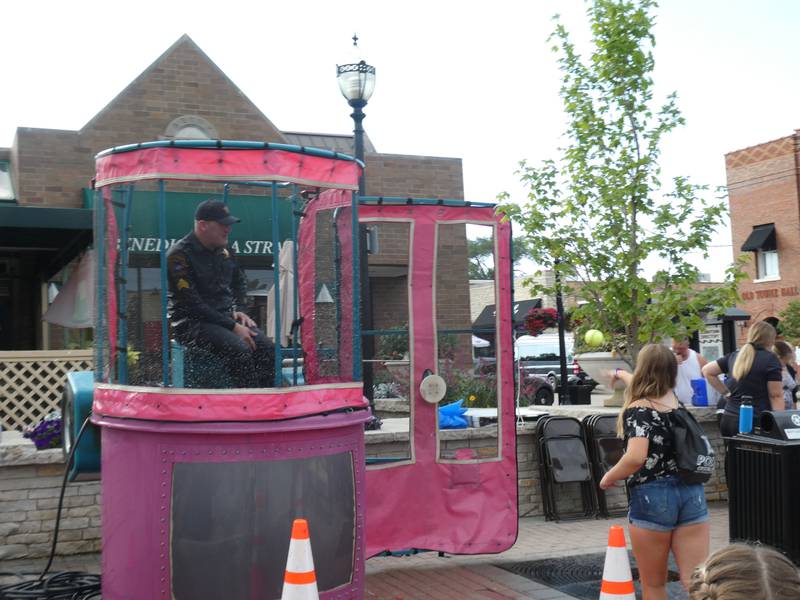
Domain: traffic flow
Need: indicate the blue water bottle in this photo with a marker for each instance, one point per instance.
(746, 415)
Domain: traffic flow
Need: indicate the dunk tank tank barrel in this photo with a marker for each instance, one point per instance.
(205, 510)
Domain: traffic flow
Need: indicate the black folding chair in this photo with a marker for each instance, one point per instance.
(605, 450)
(563, 460)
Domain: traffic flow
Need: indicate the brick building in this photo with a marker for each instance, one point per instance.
(45, 214)
(764, 193)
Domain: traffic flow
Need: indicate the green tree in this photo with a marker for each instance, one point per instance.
(480, 253)
(790, 321)
(598, 211)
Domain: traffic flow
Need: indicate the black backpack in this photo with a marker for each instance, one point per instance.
(693, 452)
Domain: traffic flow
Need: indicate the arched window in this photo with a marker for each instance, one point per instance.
(190, 127)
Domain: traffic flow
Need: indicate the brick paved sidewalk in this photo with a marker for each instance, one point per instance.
(431, 577)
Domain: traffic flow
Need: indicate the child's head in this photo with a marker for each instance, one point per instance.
(745, 572)
(655, 373)
(654, 376)
(784, 351)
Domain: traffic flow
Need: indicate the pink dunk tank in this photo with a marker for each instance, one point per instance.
(201, 481)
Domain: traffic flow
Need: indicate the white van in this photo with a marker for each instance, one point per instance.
(539, 355)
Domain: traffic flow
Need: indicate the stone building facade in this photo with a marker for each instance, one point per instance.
(183, 94)
(764, 194)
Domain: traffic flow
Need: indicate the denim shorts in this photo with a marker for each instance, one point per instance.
(666, 504)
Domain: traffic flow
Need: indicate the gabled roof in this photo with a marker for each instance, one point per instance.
(185, 44)
(328, 141)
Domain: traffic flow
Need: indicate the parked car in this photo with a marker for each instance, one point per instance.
(540, 356)
(536, 390)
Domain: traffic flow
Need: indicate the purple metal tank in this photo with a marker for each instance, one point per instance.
(204, 510)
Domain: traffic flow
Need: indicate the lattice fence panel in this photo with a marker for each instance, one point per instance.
(31, 383)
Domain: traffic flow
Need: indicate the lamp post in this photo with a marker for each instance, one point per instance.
(357, 82)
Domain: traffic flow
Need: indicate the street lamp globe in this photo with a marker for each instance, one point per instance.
(356, 80)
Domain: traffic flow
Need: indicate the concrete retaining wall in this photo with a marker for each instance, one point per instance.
(30, 482)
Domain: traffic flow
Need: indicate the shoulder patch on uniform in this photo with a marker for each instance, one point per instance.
(183, 284)
(176, 261)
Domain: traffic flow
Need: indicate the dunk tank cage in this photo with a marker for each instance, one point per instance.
(201, 482)
(200, 486)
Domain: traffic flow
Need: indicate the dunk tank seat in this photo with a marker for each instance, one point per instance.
(198, 368)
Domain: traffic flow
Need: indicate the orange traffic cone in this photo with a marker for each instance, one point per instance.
(617, 579)
(300, 580)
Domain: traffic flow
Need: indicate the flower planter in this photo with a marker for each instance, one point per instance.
(597, 365)
(399, 370)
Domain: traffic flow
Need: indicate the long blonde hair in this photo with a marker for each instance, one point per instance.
(745, 572)
(654, 376)
(760, 334)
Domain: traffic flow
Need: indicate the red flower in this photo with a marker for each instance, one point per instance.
(539, 319)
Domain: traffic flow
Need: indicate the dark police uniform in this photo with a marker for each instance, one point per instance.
(205, 288)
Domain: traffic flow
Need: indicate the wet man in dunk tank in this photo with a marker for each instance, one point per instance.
(206, 291)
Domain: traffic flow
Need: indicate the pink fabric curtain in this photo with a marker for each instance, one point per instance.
(111, 252)
(203, 164)
(307, 280)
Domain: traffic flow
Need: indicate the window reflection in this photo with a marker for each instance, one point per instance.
(465, 289)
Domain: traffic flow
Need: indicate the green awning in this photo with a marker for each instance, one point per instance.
(55, 235)
(251, 237)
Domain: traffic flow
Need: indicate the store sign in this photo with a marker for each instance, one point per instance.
(711, 342)
(253, 236)
(772, 293)
(153, 244)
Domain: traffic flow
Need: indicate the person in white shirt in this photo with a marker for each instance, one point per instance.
(690, 364)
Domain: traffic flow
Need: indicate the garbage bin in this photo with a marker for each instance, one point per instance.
(580, 394)
(763, 473)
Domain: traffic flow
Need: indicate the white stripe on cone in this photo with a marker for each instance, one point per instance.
(300, 560)
(617, 573)
(617, 566)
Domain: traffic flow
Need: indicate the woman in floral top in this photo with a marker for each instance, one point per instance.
(664, 513)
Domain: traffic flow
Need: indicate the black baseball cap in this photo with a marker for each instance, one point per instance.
(215, 210)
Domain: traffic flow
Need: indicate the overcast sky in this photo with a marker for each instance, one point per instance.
(470, 80)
